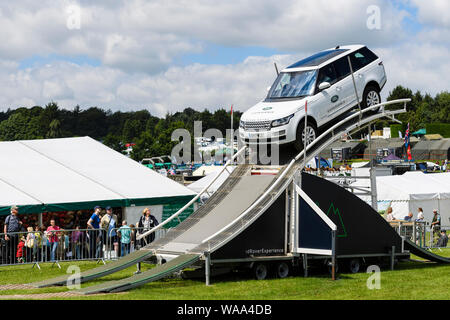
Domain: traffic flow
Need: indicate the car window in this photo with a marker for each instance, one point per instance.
(327, 74)
(362, 58)
(342, 68)
(293, 84)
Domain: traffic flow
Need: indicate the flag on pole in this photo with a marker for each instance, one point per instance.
(407, 143)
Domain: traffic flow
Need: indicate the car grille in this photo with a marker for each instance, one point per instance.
(257, 125)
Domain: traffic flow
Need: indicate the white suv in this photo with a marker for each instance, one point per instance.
(323, 80)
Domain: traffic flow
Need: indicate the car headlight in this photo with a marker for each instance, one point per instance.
(282, 122)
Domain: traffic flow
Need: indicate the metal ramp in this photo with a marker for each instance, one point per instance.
(115, 266)
(235, 206)
(157, 273)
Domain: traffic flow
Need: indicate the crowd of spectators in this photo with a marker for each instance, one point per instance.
(73, 235)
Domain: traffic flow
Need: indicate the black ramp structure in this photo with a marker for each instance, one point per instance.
(360, 229)
(264, 237)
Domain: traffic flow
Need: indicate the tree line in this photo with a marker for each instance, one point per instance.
(152, 134)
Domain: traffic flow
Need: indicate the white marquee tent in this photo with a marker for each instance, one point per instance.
(78, 173)
(407, 192)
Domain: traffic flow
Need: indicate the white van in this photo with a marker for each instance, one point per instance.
(324, 81)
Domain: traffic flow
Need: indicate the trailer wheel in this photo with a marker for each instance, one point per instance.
(282, 270)
(260, 271)
(354, 265)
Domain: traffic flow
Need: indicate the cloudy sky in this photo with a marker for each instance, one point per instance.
(165, 55)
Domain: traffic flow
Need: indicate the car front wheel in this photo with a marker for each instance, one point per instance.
(310, 134)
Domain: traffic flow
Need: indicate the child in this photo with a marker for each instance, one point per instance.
(20, 246)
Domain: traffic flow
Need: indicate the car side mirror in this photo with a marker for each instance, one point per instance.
(324, 86)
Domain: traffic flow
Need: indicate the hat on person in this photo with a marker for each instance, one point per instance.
(97, 207)
(108, 208)
(435, 210)
(14, 208)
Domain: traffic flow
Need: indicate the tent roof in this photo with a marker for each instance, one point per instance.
(204, 170)
(435, 149)
(412, 184)
(71, 173)
(420, 132)
(391, 157)
(433, 137)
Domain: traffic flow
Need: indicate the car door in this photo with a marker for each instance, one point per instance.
(360, 60)
(323, 98)
(344, 85)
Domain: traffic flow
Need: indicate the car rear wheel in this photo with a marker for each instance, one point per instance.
(310, 134)
(371, 97)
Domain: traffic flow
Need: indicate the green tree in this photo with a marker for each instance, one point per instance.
(54, 129)
(20, 126)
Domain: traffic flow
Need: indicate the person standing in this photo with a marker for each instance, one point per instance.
(30, 245)
(436, 224)
(390, 216)
(125, 239)
(94, 233)
(146, 223)
(420, 215)
(38, 244)
(133, 243)
(109, 224)
(12, 226)
(77, 240)
(53, 238)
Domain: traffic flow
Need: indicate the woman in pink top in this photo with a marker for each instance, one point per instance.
(53, 238)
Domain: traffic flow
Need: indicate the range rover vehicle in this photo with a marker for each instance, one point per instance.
(324, 80)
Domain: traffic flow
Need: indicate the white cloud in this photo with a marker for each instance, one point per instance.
(146, 36)
(198, 86)
(137, 42)
(434, 12)
(423, 67)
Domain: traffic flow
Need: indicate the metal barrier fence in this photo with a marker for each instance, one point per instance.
(415, 231)
(35, 247)
(120, 241)
(420, 232)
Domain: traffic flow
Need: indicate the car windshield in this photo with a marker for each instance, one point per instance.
(293, 85)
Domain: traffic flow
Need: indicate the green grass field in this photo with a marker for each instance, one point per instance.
(409, 280)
